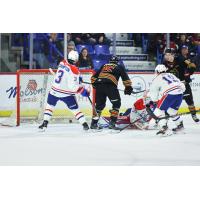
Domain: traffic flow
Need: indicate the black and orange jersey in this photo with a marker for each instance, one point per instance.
(173, 67)
(181, 67)
(186, 68)
(110, 73)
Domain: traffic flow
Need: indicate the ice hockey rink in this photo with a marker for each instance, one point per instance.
(69, 145)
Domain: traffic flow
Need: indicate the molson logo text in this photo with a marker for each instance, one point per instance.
(31, 90)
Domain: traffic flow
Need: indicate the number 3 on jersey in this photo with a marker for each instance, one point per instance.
(60, 74)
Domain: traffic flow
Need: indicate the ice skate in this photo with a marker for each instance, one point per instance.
(85, 126)
(43, 126)
(179, 128)
(194, 117)
(163, 131)
(94, 126)
(113, 128)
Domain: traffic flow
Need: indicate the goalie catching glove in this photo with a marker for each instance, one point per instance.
(128, 90)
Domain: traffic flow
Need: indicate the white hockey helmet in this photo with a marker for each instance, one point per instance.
(160, 68)
(73, 56)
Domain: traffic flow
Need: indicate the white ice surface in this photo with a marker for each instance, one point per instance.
(69, 145)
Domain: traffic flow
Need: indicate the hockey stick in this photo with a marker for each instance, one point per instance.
(150, 112)
(119, 89)
(133, 91)
(95, 109)
(51, 71)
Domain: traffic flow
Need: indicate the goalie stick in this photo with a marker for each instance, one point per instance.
(131, 124)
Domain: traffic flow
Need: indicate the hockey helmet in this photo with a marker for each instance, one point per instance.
(160, 69)
(114, 59)
(73, 57)
(170, 50)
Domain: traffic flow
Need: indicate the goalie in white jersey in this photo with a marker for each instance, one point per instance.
(167, 90)
(65, 86)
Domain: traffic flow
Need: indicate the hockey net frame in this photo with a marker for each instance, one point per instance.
(22, 72)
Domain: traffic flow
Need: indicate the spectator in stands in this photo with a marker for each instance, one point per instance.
(77, 38)
(183, 40)
(84, 38)
(53, 49)
(85, 60)
(196, 39)
(162, 43)
(102, 39)
(69, 37)
(70, 46)
(89, 38)
(54, 40)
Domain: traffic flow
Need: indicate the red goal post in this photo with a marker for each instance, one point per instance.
(32, 89)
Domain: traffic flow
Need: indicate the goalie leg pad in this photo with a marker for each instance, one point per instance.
(141, 116)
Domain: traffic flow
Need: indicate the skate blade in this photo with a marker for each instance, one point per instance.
(166, 134)
(42, 130)
(96, 130)
(113, 131)
(179, 132)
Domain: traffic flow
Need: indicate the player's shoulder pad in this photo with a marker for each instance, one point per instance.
(74, 69)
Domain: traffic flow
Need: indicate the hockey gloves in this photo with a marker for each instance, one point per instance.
(128, 90)
(151, 104)
(80, 79)
(84, 92)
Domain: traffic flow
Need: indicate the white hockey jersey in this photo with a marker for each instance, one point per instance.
(66, 80)
(165, 83)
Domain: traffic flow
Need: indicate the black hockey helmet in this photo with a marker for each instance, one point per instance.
(114, 59)
(170, 50)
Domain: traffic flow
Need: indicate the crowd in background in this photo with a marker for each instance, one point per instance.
(158, 41)
(52, 45)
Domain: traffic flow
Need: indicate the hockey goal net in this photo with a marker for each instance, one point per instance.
(33, 87)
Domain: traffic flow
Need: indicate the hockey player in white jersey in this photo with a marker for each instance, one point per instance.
(64, 88)
(167, 90)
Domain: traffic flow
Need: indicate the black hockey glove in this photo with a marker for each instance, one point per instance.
(94, 85)
(128, 90)
(150, 104)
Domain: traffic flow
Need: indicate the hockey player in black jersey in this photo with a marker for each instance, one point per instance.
(183, 68)
(105, 82)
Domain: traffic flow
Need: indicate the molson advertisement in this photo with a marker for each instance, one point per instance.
(34, 90)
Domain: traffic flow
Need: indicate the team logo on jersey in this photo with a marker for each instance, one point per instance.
(108, 68)
(32, 85)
